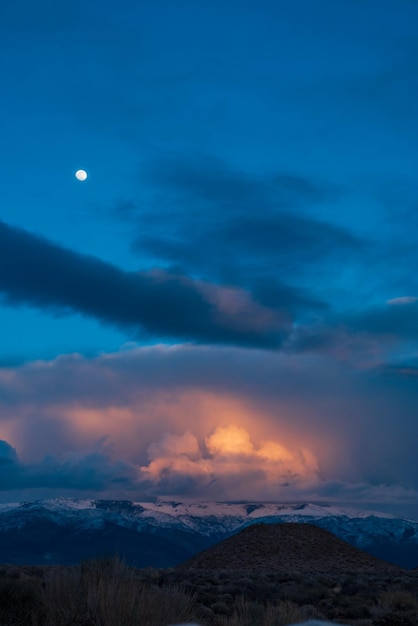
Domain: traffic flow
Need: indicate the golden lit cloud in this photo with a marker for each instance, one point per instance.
(230, 460)
(133, 428)
(229, 441)
(176, 455)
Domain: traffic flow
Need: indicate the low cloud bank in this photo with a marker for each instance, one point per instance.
(210, 423)
(77, 471)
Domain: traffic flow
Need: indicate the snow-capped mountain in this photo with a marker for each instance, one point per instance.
(164, 533)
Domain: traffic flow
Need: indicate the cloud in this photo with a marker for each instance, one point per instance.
(231, 466)
(282, 240)
(210, 422)
(8, 454)
(399, 320)
(304, 190)
(357, 346)
(275, 294)
(367, 337)
(406, 370)
(221, 224)
(253, 224)
(36, 272)
(204, 179)
(402, 300)
(379, 496)
(207, 180)
(285, 232)
(71, 471)
(249, 230)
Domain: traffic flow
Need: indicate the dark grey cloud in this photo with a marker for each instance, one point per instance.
(286, 234)
(401, 370)
(276, 249)
(8, 454)
(225, 224)
(388, 324)
(397, 320)
(206, 180)
(368, 335)
(36, 272)
(283, 239)
(201, 195)
(301, 189)
(272, 293)
(335, 339)
(75, 471)
(255, 254)
(203, 180)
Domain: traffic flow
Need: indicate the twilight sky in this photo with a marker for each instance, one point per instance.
(227, 308)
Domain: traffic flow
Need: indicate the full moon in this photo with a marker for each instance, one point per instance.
(81, 174)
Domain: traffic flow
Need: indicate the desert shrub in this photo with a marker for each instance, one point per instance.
(230, 588)
(247, 581)
(310, 593)
(398, 600)
(10, 572)
(355, 607)
(20, 602)
(222, 608)
(283, 613)
(206, 615)
(395, 619)
(248, 613)
(105, 593)
(352, 589)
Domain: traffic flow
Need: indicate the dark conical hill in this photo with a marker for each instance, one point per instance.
(291, 547)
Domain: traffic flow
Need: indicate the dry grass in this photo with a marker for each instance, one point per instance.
(398, 600)
(107, 592)
(98, 593)
(254, 614)
(21, 602)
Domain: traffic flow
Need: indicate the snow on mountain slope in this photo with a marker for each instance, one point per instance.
(206, 518)
(201, 523)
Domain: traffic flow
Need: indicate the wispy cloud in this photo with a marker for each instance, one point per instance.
(220, 220)
(401, 300)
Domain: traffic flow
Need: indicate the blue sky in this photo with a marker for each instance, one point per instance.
(234, 285)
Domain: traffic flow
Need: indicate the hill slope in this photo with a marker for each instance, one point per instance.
(290, 548)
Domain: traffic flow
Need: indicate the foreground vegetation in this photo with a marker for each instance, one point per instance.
(107, 592)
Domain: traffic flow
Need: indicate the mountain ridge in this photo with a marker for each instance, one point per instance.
(177, 530)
